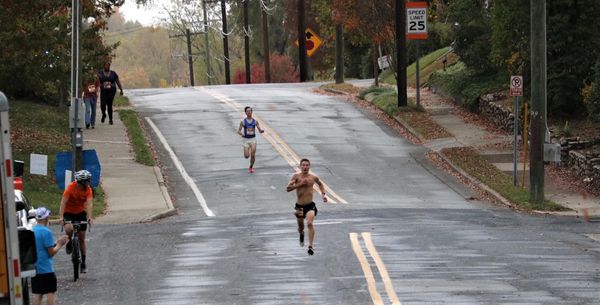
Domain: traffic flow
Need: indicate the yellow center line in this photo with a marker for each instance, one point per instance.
(387, 282)
(364, 264)
(286, 152)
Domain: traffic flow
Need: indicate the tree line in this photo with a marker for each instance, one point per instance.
(491, 37)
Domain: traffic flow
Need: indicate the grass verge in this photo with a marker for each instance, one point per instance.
(346, 87)
(386, 99)
(141, 149)
(121, 101)
(472, 163)
(42, 129)
(421, 122)
(427, 64)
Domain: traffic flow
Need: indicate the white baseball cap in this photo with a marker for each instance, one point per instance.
(42, 213)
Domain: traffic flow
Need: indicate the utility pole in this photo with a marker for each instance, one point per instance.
(339, 54)
(246, 42)
(265, 28)
(188, 35)
(76, 105)
(225, 43)
(538, 99)
(302, 42)
(401, 50)
(190, 60)
(207, 58)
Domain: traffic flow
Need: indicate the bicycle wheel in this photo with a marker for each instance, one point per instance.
(75, 258)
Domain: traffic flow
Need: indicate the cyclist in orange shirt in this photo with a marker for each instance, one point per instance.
(76, 205)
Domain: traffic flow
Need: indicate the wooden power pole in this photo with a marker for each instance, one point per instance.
(225, 43)
(401, 50)
(247, 42)
(302, 61)
(538, 99)
(265, 27)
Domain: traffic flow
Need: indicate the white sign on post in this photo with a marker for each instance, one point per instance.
(39, 164)
(516, 85)
(68, 177)
(384, 62)
(416, 20)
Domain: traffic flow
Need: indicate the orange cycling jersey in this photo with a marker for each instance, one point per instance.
(76, 198)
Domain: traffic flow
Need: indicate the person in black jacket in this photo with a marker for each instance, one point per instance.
(109, 80)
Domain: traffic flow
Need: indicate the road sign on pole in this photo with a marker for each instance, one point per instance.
(416, 20)
(516, 85)
(313, 41)
(516, 90)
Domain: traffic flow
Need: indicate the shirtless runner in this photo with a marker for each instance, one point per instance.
(303, 183)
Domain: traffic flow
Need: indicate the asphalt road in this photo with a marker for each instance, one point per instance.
(399, 230)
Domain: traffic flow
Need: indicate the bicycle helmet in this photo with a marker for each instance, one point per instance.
(83, 175)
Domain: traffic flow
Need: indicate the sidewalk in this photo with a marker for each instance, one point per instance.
(468, 134)
(133, 192)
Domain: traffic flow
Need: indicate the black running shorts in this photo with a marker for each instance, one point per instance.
(301, 210)
(43, 283)
(77, 217)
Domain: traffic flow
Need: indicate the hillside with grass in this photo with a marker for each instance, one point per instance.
(42, 129)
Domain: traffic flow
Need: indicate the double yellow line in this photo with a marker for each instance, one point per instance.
(366, 267)
(286, 152)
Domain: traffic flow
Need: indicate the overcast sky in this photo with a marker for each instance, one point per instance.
(145, 14)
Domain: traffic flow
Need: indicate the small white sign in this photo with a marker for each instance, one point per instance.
(39, 164)
(516, 85)
(67, 177)
(384, 62)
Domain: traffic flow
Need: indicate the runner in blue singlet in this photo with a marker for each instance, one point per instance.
(247, 129)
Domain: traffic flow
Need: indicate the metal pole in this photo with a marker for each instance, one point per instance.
(401, 52)
(207, 59)
(75, 81)
(538, 99)
(516, 132)
(246, 43)
(225, 42)
(302, 61)
(417, 74)
(524, 137)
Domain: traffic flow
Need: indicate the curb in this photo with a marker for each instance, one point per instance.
(335, 91)
(165, 193)
(406, 126)
(476, 181)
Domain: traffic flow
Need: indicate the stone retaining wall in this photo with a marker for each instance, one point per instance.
(495, 112)
(583, 159)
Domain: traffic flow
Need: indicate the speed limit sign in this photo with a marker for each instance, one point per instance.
(416, 20)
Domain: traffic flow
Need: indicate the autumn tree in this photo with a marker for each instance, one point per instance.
(36, 45)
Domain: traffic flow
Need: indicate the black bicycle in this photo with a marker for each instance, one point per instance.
(75, 254)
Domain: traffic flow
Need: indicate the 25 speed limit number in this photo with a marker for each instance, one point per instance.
(417, 20)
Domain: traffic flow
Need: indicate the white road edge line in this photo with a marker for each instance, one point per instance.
(181, 170)
(286, 152)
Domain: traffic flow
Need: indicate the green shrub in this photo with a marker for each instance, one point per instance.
(387, 102)
(464, 86)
